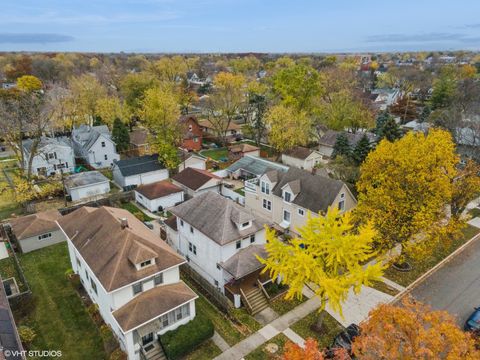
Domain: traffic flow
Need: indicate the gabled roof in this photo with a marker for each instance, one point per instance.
(158, 189)
(194, 178)
(45, 141)
(151, 304)
(245, 261)
(86, 135)
(139, 165)
(299, 152)
(109, 248)
(316, 192)
(330, 137)
(243, 148)
(85, 179)
(35, 224)
(255, 165)
(215, 216)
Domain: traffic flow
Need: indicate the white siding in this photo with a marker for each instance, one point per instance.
(62, 155)
(139, 179)
(154, 204)
(89, 191)
(34, 243)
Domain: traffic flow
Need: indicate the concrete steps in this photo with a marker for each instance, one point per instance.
(256, 300)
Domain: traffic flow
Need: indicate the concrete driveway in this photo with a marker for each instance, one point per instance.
(455, 287)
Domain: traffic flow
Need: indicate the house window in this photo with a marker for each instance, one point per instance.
(239, 244)
(78, 262)
(287, 196)
(145, 263)
(103, 144)
(190, 127)
(137, 288)
(147, 339)
(301, 212)
(286, 215)
(94, 286)
(106, 157)
(86, 275)
(164, 320)
(252, 239)
(267, 204)
(181, 222)
(265, 187)
(342, 196)
(216, 282)
(195, 139)
(191, 229)
(192, 248)
(52, 155)
(341, 205)
(178, 314)
(245, 224)
(158, 279)
(45, 236)
(218, 266)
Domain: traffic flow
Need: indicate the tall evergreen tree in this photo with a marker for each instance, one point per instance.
(361, 150)
(380, 121)
(120, 135)
(390, 130)
(342, 146)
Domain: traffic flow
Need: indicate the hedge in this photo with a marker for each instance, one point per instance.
(186, 338)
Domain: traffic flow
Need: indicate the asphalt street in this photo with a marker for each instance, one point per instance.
(455, 287)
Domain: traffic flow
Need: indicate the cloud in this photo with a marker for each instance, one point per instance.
(33, 38)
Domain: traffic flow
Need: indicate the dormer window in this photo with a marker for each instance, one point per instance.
(245, 225)
(145, 263)
(265, 187)
(103, 143)
(287, 197)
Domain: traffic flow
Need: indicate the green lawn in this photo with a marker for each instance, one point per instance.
(282, 306)
(135, 211)
(420, 266)
(8, 206)
(474, 212)
(262, 353)
(215, 154)
(381, 286)
(331, 328)
(270, 151)
(59, 317)
(240, 191)
(8, 269)
(208, 350)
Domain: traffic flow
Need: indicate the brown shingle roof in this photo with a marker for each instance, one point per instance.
(158, 189)
(243, 148)
(299, 152)
(138, 137)
(109, 249)
(245, 261)
(194, 178)
(208, 124)
(151, 304)
(35, 224)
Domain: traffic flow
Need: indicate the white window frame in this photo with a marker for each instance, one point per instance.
(266, 204)
(265, 187)
(301, 212)
(290, 195)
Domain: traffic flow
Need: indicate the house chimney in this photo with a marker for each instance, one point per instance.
(124, 223)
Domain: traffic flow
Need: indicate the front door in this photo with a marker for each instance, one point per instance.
(147, 339)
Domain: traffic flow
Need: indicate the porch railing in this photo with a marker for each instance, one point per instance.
(251, 185)
(244, 297)
(260, 285)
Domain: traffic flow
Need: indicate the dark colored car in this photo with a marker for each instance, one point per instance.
(345, 339)
(473, 322)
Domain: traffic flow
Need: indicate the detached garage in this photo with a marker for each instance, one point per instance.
(158, 196)
(130, 173)
(86, 185)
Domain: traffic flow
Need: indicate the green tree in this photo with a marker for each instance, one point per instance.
(390, 130)
(380, 121)
(120, 135)
(444, 88)
(361, 150)
(329, 253)
(342, 146)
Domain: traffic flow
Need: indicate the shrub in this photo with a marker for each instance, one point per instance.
(118, 354)
(187, 337)
(69, 273)
(27, 334)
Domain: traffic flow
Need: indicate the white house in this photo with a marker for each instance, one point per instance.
(195, 181)
(220, 239)
(94, 145)
(131, 274)
(302, 158)
(86, 184)
(130, 173)
(191, 159)
(37, 231)
(158, 196)
(52, 156)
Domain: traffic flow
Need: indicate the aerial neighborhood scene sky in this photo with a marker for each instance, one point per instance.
(239, 180)
(238, 25)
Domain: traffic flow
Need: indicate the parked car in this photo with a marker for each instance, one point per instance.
(345, 339)
(473, 322)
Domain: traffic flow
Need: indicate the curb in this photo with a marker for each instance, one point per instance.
(425, 275)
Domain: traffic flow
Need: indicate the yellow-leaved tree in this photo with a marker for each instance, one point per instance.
(329, 253)
(29, 83)
(404, 189)
(287, 127)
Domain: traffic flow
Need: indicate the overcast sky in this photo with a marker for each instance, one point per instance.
(238, 25)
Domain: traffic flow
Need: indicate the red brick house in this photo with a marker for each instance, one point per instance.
(193, 135)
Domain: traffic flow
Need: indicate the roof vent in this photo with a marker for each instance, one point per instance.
(124, 223)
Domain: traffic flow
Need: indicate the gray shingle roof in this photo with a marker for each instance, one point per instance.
(44, 141)
(139, 165)
(255, 166)
(86, 136)
(316, 192)
(245, 262)
(84, 179)
(214, 216)
(330, 137)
